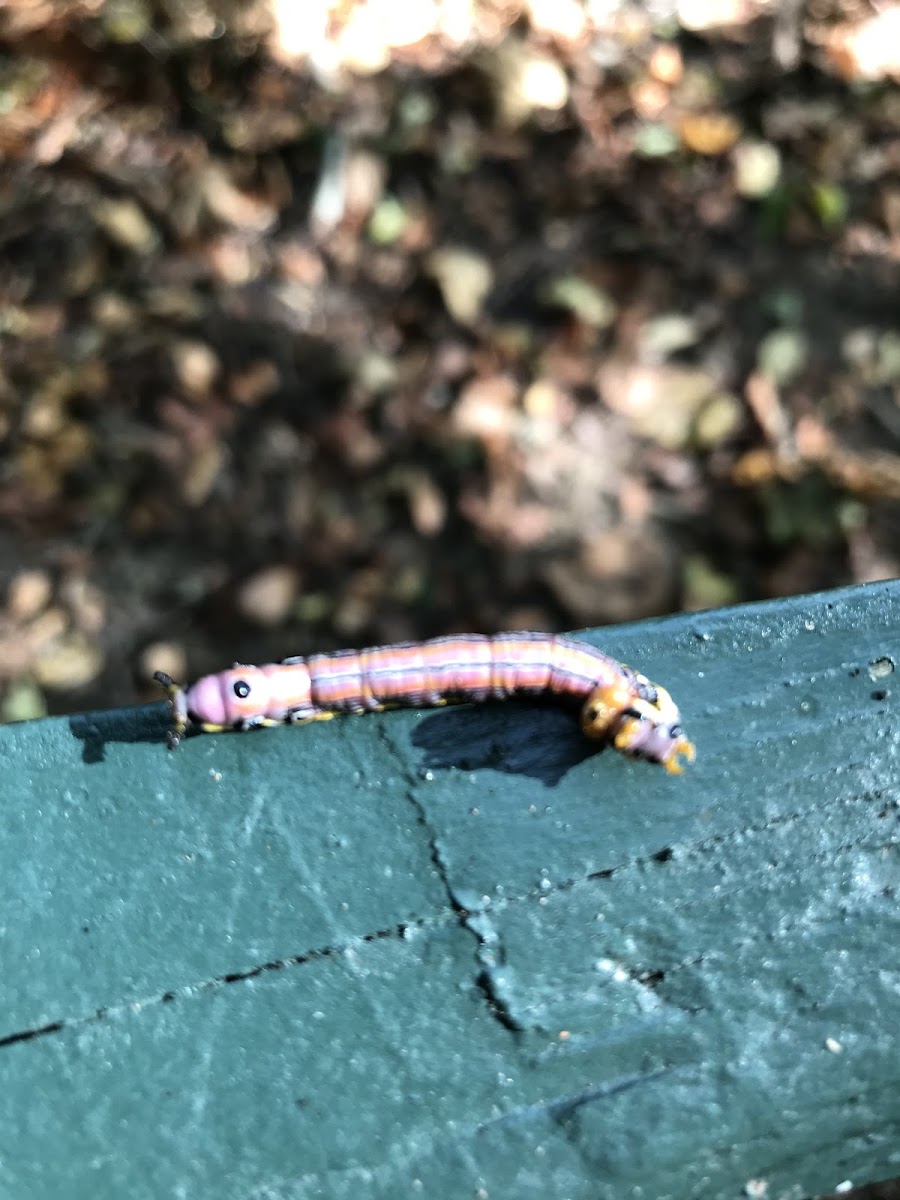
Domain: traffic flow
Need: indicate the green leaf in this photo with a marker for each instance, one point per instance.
(830, 204)
(454, 947)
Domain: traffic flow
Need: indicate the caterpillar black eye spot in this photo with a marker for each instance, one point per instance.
(241, 689)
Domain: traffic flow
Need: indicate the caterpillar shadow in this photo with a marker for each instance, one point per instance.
(141, 723)
(522, 739)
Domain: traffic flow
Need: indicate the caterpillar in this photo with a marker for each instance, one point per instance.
(618, 705)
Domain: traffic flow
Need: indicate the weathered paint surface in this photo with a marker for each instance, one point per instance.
(454, 947)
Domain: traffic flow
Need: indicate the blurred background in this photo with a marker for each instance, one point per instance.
(333, 322)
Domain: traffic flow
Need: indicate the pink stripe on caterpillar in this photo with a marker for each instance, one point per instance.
(619, 705)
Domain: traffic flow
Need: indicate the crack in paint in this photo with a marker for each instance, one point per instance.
(468, 917)
(489, 952)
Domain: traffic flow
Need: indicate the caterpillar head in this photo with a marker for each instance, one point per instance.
(237, 697)
(228, 699)
(639, 719)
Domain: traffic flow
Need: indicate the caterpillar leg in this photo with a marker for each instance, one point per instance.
(248, 723)
(305, 718)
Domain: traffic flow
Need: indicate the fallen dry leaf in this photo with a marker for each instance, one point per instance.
(869, 49)
(709, 133)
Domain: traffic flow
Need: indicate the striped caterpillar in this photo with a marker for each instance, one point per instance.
(618, 705)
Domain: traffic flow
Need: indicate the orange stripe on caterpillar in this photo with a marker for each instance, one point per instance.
(619, 706)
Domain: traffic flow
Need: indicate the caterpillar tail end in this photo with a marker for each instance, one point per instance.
(639, 720)
(178, 707)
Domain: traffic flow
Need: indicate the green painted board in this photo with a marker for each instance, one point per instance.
(455, 953)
